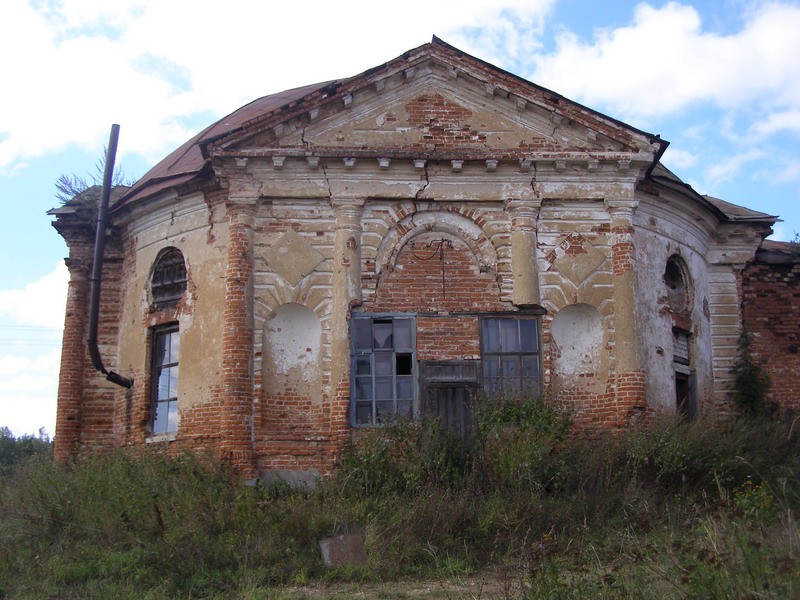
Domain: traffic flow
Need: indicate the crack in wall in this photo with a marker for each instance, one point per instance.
(303, 137)
(424, 188)
(327, 181)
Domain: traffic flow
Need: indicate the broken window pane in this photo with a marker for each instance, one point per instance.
(383, 368)
(403, 364)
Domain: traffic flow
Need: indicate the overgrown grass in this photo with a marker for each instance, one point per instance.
(672, 510)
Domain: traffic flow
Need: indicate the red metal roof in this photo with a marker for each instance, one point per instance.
(187, 161)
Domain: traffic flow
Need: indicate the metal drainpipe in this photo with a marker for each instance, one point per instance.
(97, 263)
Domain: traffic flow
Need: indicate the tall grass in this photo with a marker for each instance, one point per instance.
(672, 510)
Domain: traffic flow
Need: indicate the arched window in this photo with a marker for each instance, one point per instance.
(168, 281)
(677, 282)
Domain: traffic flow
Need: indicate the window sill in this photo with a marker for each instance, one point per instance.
(161, 437)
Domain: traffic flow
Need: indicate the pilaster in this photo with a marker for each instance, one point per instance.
(236, 445)
(73, 352)
(630, 377)
(524, 266)
(346, 286)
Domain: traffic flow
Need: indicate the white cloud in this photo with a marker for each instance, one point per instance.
(151, 66)
(28, 388)
(781, 233)
(783, 121)
(40, 303)
(664, 62)
(727, 168)
(679, 159)
(31, 322)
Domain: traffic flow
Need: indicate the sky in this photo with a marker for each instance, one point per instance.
(718, 79)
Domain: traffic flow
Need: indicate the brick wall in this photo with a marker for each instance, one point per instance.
(771, 312)
(416, 284)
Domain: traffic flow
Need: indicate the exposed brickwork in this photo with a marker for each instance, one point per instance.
(622, 257)
(423, 281)
(443, 122)
(237, 346)
(771, 312)
(73, 349)
(503, 174)
(623, 399)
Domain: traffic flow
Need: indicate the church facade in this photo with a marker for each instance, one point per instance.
(388, 246)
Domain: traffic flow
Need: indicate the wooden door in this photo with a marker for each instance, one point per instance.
(448, 391)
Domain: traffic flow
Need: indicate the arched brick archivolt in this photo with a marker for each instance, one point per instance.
(448, 222)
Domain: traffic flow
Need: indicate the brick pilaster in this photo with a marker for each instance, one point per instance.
(236, 445)
(73, 351)
(630, 377)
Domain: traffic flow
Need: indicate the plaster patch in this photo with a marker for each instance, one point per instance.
(577, 332)
(292, 339)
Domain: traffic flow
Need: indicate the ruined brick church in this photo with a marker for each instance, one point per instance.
(387, 246)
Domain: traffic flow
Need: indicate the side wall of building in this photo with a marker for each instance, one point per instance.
(771, 307)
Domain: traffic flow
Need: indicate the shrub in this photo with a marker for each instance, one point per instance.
(751, 382)
(521, 441)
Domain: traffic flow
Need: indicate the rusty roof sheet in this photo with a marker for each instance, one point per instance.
(739, 213)
(727, 210)
(185, 163)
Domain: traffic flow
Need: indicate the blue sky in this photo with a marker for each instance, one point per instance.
(719, 79)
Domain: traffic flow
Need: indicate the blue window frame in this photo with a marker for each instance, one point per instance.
(383, 368)
(510, 354)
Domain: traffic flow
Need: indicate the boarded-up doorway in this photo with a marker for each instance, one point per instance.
(448, 390)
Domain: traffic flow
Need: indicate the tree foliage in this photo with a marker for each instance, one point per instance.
(15, 449)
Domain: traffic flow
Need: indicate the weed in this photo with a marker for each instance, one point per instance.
(673, 510)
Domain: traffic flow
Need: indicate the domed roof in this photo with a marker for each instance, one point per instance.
(187, 162)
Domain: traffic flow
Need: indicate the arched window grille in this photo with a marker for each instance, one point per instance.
(168, 281)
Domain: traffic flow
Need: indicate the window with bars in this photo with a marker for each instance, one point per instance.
(510, 354)
(164, 380)
(168, 281)
(383, 369)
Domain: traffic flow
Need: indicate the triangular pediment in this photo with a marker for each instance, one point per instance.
(436, 101)
(431, 115)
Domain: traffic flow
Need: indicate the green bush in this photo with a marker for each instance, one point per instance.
(521, 442)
